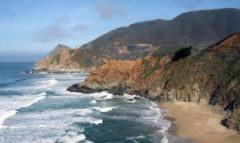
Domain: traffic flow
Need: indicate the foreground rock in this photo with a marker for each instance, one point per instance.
(211, 76)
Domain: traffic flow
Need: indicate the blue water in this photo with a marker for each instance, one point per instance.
(36, 108)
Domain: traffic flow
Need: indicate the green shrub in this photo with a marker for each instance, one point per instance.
(150, 70)
(182, 53)
(145, 62)
(161, 52)
(58, 58)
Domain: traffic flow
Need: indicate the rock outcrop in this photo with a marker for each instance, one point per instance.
(64, 59)
(80, 59)
(211, 76)
(198, 28)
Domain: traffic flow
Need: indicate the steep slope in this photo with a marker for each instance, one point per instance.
(211, 76)
(57, 61)
(198, 28)
(63, 59)
(80, 59)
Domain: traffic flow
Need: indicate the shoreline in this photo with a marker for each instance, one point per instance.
(198, 123)
(172, 129)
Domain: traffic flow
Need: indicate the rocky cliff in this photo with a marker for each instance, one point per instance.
(63, 59)
(210, 76)
(198, 28)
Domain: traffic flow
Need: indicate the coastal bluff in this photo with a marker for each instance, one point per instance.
(210, 76)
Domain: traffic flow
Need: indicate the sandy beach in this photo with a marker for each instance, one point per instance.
(199, 123)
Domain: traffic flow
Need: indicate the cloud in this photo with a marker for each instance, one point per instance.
(108, 10)
(63, 19)
(52, 33)
(188, 4)
(79, 27)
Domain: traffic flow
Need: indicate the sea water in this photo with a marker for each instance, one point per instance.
(36, 108)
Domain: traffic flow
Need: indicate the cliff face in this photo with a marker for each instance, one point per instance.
(63, 59)
(198, 28)
(59, 60)
(211, 76)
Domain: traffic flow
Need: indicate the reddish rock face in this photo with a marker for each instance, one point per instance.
(80, 59)
(229, 45)
(69, 60)
(211, 76)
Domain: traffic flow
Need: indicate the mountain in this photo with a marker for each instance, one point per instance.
(198, 28)
(58, 49)
(210, 76)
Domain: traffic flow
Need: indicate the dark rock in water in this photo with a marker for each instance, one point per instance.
(120, 90)
(130, 100)
(83, 89)
(28, 71)
(137, 98)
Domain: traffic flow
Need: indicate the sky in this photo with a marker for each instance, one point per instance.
(30, 29)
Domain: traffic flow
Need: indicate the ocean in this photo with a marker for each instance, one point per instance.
(36, 108)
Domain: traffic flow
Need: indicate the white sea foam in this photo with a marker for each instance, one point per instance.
(52, 82)
(35, 100)
(43, 73)
(59, 114)
(56, 119)
(51, 124)
(72, 137)
(5, 115)
(82, 112)
(137, 137)
(154, 115)
(19, 127)
(88, 120)
(164, 139)
(93, 102)
(102, 95)
(86, 141)
(47, 84)
(15, 103)
(96, 122)
(54, 124)
(104, 109)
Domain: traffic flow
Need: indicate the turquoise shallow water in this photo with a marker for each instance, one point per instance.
(36, 108)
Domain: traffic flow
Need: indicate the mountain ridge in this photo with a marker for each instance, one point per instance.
(198, 29)
(193, 14)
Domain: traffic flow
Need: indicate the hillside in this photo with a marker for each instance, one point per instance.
(198, 28)
(210, 76)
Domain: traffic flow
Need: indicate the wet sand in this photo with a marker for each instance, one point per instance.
(199, 123)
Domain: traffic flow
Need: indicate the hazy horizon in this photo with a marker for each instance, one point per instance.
(30, 29)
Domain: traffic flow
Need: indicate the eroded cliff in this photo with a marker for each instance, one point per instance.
(211, 76)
